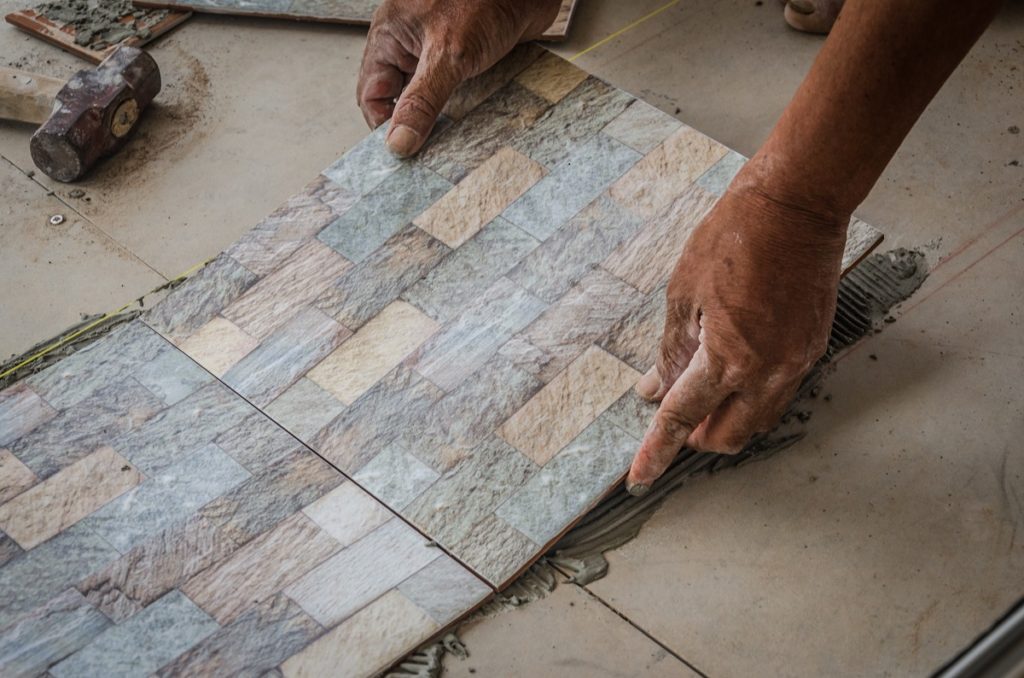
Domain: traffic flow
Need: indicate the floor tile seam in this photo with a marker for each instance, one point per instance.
(622, 31)
(346, 476)
(966, 245)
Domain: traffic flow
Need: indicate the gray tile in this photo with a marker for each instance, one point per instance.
(636, 337)
(371, 285)
(285, 355)
(571, 482)
(350, 10)
(445, 590)
(48, 569)
(9, 549)
(632, 414)
(720, 175)
(142, 644)
(252, 645)
(470, 270)
(201, 297)
(365, 165)
(572, 184)
(474, 91)
(376, 419)
(466, 343)
(257, 443)
(21, 410)
(379, 215)
(581, 114)
(576, 248)
(495, 550)
(48, 634)
(395, 477)
(99, 419)
(304, 409)
(172, 376)
(166, 498)
(642, 126)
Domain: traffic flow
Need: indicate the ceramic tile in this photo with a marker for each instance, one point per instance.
(474, 91)
(445, 590)
(496, 550)
(551, 77)
(171, 378)
(395, 477)
(636, 337)
(15, 477)
(588, 169)
(568, 404)
(143, 643)
(718, 177)
(642, 127)
(9, 550)
(347, 513)
(21, 410)
(304, 409)
(66, 497)
(366, 165)
(480, 197)
(257, 443)
(376, 348)
(218, 345)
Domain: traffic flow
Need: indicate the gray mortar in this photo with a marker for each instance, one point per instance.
(866, 296)
(98, 23)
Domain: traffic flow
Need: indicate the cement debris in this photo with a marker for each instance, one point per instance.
(100, 24)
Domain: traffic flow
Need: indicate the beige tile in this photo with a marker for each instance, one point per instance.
(370, 641)
(347, 513)
(218, 345)
(666, 172)
(567, 405)
(15, 477)
(551, 77)
(261, 568)
(481, 196)
(371, 352)
(65, 498)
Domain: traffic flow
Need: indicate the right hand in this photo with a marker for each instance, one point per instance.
(418, 51)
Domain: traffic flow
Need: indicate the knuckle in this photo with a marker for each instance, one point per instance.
(674, 425)
(418, 105)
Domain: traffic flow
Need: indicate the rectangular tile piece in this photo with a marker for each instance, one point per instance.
(172, 377)
(218, 345)
(142, 644)
(473, 91)
(395, 477)
(480, 197)
(21, 410)
(636, 337)
(445, 590)
(304, 409)
(642, 127)
(587, 170)
(285, 356)
(718, 177)
(15, 477)
(48, 634)
(496, 551)
(67, 497)
(372, 351)
(365, 165)
(378, 216)
(347, 513)
(257, 443)
(568, 404)
(551, 77)
(571, 482)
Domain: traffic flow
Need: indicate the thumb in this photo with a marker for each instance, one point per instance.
(421, 103)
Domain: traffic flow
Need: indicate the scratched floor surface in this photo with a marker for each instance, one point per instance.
(372, 410)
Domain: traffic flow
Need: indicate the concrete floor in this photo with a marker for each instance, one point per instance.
(880, 544)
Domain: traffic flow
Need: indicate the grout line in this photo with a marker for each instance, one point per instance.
(624, 29)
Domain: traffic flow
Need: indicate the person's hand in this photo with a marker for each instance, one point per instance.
(750, 304)
(418, 51)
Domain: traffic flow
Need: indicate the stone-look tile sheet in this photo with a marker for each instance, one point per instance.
(347, 513)
(367, 642)
(451, 430)
(374, 283)
(571, 482)
(166, 498)
(395, 477)
(218, 345)
(572, 184)
(364, 571)
(632, 414)
(466, 343)
(377, 418)
(480, 197)
(378, 215)
(48, 569)
(365, 165)
(261, 568)
(496, 550)
(647, 261)
(472, 92)
(568, 124)
(9, 550)
(667, 171)
(21, 410)
(77, 431)
(567, 405)
(636, 338)
(48, 634)
(171, 377)
(721, 174)
(580, 245)
(373, 351)
(257, 443)
(490, 126)
(551, 77)
(15, 477)
(582, 316)
(191, 306)
(304, 409)
(445, 590)
(252, 645)
(285, 356)
(66, 497)
(265, 499)
(280, 296)
(642, 127)
(462, 277)
(142, 644)
(151, 569)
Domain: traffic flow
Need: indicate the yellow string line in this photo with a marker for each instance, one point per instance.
(624, 29)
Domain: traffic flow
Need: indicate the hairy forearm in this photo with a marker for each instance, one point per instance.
(879, 68)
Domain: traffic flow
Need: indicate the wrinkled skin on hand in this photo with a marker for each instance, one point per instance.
(750, 304)
(418, 51)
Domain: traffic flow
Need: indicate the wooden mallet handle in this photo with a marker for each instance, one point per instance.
(27, 97)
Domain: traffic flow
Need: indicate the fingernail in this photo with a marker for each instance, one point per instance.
(637, 489)
(802, 6)
(403, 140)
